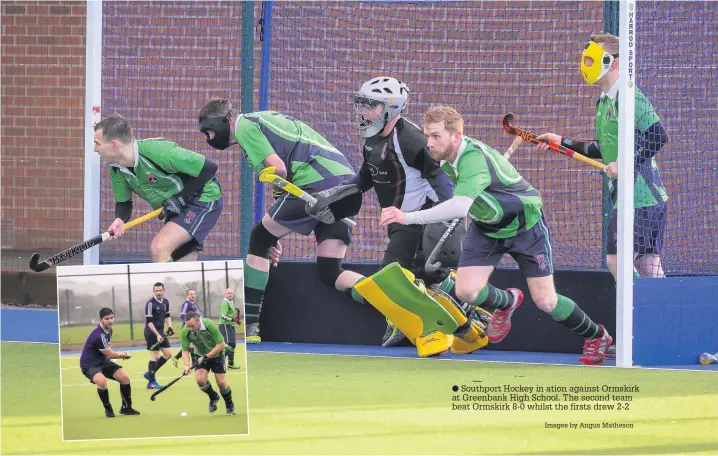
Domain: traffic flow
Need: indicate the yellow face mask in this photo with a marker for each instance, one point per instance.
(595, 63)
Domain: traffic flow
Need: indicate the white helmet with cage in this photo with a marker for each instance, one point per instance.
(389, 93)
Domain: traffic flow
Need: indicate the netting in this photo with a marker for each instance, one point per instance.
(162, 61)
(484, 58)
(676, 71)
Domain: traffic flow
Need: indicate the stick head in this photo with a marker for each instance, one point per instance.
(432, 267)
(35, 264)
(506, 123)
(267, 174)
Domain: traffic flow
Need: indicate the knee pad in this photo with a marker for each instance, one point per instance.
(260, 241)
(185, 249)
(329, 270)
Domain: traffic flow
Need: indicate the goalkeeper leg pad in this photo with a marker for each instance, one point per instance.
(469, 336)
(426, 323)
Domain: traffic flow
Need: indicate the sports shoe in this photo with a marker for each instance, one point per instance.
(230, 409)
(109, 413)
(252, 334)
(611, 352)
(234, 366)
(392, 335)
(708, 358)
(500, 323)
(153, 385)
(594, 350)
(128, 411)
(213, 403)
(174, 362)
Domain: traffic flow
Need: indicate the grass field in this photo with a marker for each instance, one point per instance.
(83, 415)
(307, 404)
(120, 332)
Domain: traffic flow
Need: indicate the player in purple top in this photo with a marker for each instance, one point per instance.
(188, 305)
(157, 313)
(96, 365)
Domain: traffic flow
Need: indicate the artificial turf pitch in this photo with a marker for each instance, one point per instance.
(307, 404)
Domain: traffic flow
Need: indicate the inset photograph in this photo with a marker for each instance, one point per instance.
(157, 349)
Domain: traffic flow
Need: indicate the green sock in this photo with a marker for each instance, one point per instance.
(492, 298)
(255, 282)
(571, 316)
(355, 294)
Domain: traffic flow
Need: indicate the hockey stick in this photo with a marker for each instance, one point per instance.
(430, 265)
(166, 387)
(528, 136)
(513, 147)
(267, 175)
(39, 266)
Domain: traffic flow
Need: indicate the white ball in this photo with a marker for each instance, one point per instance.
(183, 414)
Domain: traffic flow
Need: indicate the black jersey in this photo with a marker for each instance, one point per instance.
(401, 169)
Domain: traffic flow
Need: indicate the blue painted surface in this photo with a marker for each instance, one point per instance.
(674, 320)
(29, 325)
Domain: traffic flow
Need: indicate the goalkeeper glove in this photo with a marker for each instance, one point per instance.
(172, 206)
(170, 331)
(226, 318)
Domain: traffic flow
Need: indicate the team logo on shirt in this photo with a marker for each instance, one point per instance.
(151, 178)
(189, 217)
(608, 113)
(383, 152)
(541, 259)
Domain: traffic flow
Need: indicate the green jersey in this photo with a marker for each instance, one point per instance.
(649, 189)
(203, 340)
(504, 203)
(306, 154)
(157, 173)
(227, 308)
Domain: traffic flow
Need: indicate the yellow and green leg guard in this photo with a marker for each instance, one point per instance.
(426, 323)
(470, 335)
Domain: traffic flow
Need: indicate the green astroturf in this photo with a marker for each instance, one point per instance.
(303, 404)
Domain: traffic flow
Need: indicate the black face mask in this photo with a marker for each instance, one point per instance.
(220, 127)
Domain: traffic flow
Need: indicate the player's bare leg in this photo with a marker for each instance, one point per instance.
(167, 240)
(225, 391)
(125, 392)
(256, 272)
(649, 265)
(472, 286)
(566, 312)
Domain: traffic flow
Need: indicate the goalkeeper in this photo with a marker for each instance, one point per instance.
(209, 346)
(165, 175)
(309, 161)
(228, 319)
(507, 218)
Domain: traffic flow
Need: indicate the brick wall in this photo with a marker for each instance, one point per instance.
(43, 74)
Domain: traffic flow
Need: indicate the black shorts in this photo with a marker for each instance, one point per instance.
(218, 365)
(108, 369)
(198, 218)
(151, 339)
(649, 226)
(531, 250)
(404, 242)
(289, 212)
(228, 333)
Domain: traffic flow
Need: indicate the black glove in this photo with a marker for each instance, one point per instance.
(335, 203)
(170, 331)
(172, 206)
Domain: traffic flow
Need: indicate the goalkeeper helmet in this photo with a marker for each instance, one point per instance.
(595, 62)
(389, 93)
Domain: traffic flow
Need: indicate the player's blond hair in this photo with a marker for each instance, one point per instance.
(608, 42)
(453, 121)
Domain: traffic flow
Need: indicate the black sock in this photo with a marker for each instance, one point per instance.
(152, 368)
(104, 397)
(571, 316)
(160, 362)
(208, 390)
(230, 354)
(178, 355)
(255, 282)
(126, 395)
(227, 395)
